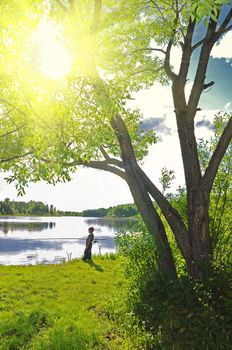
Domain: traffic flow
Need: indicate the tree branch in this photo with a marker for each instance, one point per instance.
(217, 156)
(12, 131)
(99, 164)
(167, 66)
(223, 28)
(201, 69)
(110, 160)
(104, 153)
(187, 51)
(104, 166)
(178, 87)
(15, 157)
(148, 49)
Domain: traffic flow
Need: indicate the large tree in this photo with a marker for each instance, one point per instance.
(84, 119)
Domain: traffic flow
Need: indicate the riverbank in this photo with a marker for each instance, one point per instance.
(59, 306)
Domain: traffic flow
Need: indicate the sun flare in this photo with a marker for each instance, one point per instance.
(54, 60)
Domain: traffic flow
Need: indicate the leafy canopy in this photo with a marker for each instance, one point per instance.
(61, 121)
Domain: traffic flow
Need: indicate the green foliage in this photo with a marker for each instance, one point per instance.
(163, 314)
(140, 264)
(221, 195)
(167, 176)
(179, 201)
(56, 124)
(206, 9)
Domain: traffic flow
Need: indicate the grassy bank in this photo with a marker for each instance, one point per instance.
(58, 306)
(97, 306)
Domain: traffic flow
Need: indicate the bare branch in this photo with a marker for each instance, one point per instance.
(211, 170)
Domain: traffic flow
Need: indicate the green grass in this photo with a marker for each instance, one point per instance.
(58, 307)
(81, 306)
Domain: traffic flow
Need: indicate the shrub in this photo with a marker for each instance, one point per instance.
(162, 314)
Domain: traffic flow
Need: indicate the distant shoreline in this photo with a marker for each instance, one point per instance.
(78, 216)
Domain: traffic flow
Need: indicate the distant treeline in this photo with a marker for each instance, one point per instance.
(122, 210)
(8, 207)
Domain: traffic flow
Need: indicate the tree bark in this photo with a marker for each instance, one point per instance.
(143, 201)
(198, 217)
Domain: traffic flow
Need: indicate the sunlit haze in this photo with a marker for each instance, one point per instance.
(54, 60)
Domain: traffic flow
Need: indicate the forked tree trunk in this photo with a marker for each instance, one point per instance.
(143, 201)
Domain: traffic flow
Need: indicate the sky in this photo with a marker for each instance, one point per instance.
(91, 188)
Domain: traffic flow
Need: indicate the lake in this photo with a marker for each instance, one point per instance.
(46, 240)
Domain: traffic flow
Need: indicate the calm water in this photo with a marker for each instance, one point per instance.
(36, 240)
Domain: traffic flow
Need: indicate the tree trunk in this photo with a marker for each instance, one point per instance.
(153, 223)
(143, 201)
(198, 217)
(197, 199)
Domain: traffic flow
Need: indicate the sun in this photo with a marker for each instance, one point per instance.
(54, 60)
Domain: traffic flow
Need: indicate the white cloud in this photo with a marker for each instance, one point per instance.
(224, 48)
(228, 106)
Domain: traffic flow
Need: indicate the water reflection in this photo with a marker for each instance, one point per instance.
(30, 240)
(11, 226)
(14, 246)
(118, 224)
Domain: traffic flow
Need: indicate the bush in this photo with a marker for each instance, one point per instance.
(162, 314)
